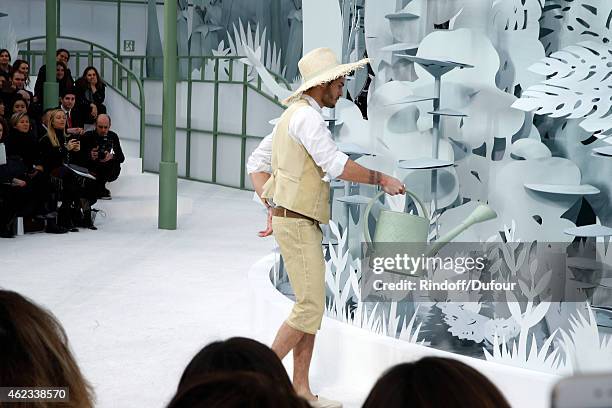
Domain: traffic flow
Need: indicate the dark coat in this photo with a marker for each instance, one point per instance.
(24, 146)
(52, 157)
(66, 83)
(90, 140)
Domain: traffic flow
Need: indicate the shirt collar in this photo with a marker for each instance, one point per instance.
(313, 103)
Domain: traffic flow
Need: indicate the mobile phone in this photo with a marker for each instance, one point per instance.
(583, 391)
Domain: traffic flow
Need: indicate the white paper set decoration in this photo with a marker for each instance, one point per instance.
(513, 28)
(390, 30)
(471, 91)
(568, 22)
(8, 38)
(578, 85)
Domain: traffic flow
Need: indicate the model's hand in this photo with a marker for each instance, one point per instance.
(268, 231)
(391, 185)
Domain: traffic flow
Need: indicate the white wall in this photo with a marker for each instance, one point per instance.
(90, 20)
(259, 112)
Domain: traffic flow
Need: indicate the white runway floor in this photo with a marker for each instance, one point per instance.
(137, 302)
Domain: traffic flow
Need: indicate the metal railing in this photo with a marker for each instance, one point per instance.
(119, 72)
(215, 70)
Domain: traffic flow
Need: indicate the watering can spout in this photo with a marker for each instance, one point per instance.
(480, 214)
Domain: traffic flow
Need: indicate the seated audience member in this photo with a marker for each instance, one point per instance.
(434, 382)
(237, 354)
(90, 90)
(20, 141)
(74, 125)
(35, 198)
(61, 55)
(19, 105)
(2, 108)
(35, 352)
(17, 81)
(61, 77)
(25, 95)
(31, 110)
(11, 182)
(23, 66)
(238, 389)
(43, 124)
(76, 192)
(102, 155)
(5, 63)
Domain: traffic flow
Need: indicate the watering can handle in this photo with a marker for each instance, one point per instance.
(420, 207)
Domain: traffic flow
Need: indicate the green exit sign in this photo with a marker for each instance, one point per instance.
(129, 45)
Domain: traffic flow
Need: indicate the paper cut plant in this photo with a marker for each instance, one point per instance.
(578, 85)
(586, 349)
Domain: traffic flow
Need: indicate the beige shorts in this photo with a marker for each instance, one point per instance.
(300, 244)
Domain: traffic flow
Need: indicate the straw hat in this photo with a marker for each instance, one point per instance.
(320, 66)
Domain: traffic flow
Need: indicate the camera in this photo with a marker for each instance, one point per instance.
(104, 146)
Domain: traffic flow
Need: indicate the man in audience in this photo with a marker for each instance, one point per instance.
(16, 83)
(43, 125)
(74, 125)
(102, 154)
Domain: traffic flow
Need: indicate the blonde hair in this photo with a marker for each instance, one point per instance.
(17, 117)
(51, 134)
(38, 354)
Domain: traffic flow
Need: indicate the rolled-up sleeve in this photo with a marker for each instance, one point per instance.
(308, 126)
(261, 158)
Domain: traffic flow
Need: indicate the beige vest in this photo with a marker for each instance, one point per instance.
(296, 182)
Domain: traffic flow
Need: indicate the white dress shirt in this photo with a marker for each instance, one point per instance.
(308, 128)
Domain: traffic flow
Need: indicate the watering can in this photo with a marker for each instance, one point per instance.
(398, 227)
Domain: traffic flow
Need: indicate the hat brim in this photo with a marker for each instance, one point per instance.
(325, 77)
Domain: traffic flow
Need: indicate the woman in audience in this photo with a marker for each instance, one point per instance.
(76, 193)
(11, 182)
(2, 108)
(19, 105)
(21, 142)
(62, 79)
(36, 199)
(434, 382)
(5, 63)
(35, 352)
(237, 354)
(237, 389)
(90, 93)
(32, 110)
(24, 67)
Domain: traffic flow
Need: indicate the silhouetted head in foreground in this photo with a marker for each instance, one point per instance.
(433, 382)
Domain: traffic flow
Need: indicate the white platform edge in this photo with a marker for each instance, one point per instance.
(349, 357)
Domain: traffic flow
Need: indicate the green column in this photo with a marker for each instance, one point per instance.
(168, 168)
(51, 87)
